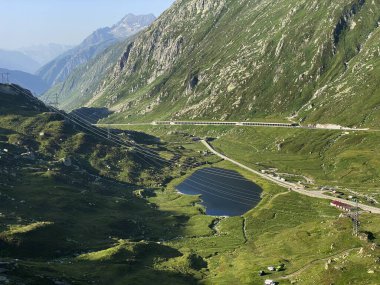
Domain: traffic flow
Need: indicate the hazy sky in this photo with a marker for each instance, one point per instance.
(32, 22)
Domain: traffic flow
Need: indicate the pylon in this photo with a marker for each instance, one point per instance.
(355, 219)
(5, 78)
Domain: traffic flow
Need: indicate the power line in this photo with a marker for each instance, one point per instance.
(78, 120)
(233, 195)
(113, 137)
(87, 119)
(99, 134)
(222, 197)
(96, 131)
(215, 171)
(215, 190)
(243, 192)
(106, 134)
(88, 127)
(91, 115)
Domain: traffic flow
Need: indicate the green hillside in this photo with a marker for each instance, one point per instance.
(65, 191)
(243, 60)
(78, 209)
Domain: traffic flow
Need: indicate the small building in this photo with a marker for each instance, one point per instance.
(341, 206)
(271, 268)
(269, 282)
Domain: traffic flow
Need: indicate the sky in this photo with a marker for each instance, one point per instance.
(25, 23)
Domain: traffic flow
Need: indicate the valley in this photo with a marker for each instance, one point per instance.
(164, 234)
(222, 142)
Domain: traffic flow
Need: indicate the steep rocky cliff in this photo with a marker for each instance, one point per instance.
(248, 59)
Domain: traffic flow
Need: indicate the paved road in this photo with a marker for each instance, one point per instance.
(292, 186)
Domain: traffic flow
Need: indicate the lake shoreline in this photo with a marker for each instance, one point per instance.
(223, 192)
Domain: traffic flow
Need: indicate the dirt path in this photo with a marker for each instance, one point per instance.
(245, 230)
(307, 266)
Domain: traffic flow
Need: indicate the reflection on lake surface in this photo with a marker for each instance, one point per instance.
(224, 192)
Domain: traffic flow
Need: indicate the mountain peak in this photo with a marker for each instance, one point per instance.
(130, 24)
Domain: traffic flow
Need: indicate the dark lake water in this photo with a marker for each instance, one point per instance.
(223, 192)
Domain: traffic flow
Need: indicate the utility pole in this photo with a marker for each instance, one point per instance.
(55, 102)
(5, 78)
(355, 219)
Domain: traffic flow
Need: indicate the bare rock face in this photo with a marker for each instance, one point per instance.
(125, 57)
(156, 51)
(162, 46)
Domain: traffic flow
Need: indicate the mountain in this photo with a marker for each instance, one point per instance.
(85, 205)
(58, 69)
(27, 80)
(16, 60)
(130, 24)
(301, 60)
(44, 53)
(82, 82)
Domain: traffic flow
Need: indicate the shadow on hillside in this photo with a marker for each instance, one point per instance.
(90, 218)
(91, 115)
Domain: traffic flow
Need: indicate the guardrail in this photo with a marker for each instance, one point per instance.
(206, 123)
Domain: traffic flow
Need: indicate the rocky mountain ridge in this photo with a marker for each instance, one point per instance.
(27, 80)
(16, 60)
(45, 52)
(58, 69)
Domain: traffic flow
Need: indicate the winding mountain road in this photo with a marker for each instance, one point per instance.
(291, 186)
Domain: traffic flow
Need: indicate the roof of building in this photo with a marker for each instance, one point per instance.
(341, 204)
